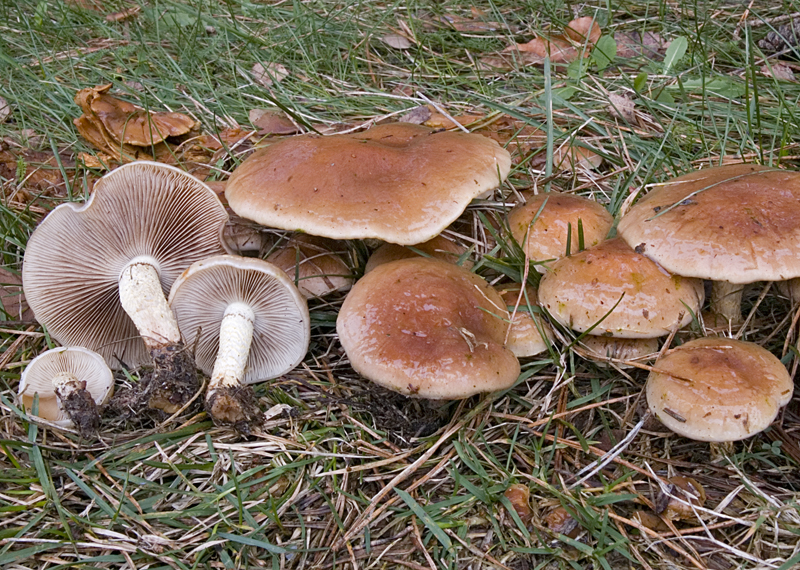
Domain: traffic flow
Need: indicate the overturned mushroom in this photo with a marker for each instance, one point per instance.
(96, 274)
(248, 322)
(71, 383)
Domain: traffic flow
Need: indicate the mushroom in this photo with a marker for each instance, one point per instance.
(426, 328)
(718, 389)
(96, 274)
(610, 290)
(397, 182)
(551, 225)
(733, 224)
(71, 383)
(439, 247)
(248, 323)
(314, 264)
(526, 327)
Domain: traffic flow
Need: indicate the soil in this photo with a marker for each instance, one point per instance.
(235, 406)
(173, 381)
(82, 410)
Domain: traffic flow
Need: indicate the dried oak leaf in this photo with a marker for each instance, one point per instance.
(621, 107)
(397, 41)
(777, 70)
(577, 41)
(272, 123)
(634, 44)
(270, 74)
(417, 115)
(12, 297)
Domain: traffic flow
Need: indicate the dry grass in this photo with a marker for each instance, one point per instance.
(341, 474)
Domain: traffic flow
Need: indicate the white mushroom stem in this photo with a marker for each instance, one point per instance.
(235, 337)
(143, 299)
(65, 384)
(726, 300)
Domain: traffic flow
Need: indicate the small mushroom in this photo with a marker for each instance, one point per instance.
(315, 264)
(248, 322)
(682, 496)
(718, 389)
(96, 274)
(438, 247)
(71, 384)
(526, 327)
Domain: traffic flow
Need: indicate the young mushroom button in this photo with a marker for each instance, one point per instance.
(248, 322)
(71, 383)
(96, 274)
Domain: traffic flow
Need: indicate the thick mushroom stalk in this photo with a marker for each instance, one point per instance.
(248, 323)
(95, 274)
(726, 301)
(228, 400)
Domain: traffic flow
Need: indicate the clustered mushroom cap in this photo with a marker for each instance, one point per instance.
(85, 365)
(542, 225)
(580, 289)
(439, 247)
(314, 264)
(398, 182)
(281, 331)
(525, 337)
(427, 328)
(735, 223)
(723, 389)
(73, 261)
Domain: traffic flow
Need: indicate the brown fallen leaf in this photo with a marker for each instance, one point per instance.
(777, 70)
(576, 41)
(12, 298)
(439, 121)
(270, 74)
(621, 107)
(5, 110)
(634, 44)
(272, 122)
(559, 521)
(417, 115)
(689, 491)
(397, 41)
(650, 520)
(124, 14)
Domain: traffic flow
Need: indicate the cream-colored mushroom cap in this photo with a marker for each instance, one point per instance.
(598, 348)
(427, 328)
(647, 302)
(281, 329)
(399, 182)
(85, 365)
(723, 389)
(144, 211)
(547, 222)
(735, 223)
(527, 326)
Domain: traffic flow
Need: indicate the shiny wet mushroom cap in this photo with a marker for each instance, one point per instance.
(427, 328)
(398, 182)
(722, 389)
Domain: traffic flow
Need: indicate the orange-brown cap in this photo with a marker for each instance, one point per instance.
(439, 247)
(527, 326)
(544, 224)
(315, 264)
(580, 289)
(735, 223)
(426, 328)
(723, 389)
(397, 182)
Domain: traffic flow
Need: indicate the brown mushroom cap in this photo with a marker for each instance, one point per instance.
(315, 264)
(618, 348)
(73, 261)
(527, 326)
(438, 247)
(398, 182)
(723, 389)
(426, 328)
(580, 289)
(735, 223)
(542, 225)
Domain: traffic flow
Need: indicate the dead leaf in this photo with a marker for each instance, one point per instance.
(272, 123)
(778, 71)
(559, 521)
(650, 520)
(621, 107)
(5, 110)
(577, 41)
(12, 298)
(634, 44)
(462, 24)
(124, 14)
(34, 174)
(417, 115)
(270, 74)
(440, 121)
(397, 41)
(100, 161)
